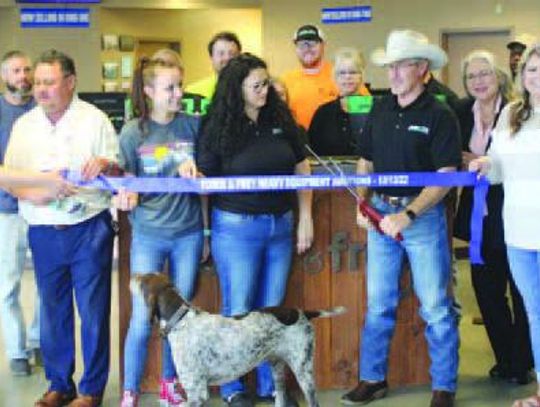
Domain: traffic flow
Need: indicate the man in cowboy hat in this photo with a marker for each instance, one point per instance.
(408, 131)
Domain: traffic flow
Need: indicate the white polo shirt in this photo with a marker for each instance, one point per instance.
(37, 144)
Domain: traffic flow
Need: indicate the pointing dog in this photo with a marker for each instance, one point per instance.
(210, 349)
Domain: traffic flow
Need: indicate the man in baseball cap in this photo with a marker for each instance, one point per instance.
(312, 84)
(516, 47)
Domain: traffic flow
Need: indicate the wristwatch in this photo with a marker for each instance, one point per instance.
(411, 214)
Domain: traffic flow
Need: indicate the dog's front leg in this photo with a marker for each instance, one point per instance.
(196, 397)
(195, 386)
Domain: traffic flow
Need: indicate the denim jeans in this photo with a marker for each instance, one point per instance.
(525, 268)
(148, 255)
(75, 260)
(13, 232)
(253, 256)
(426, 245)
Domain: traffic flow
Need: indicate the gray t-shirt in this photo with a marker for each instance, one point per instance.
(157, 153)
(8, 115)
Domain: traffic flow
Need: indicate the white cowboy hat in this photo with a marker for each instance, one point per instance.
(406, 44)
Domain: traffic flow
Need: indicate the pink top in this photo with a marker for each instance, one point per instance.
(480, 134)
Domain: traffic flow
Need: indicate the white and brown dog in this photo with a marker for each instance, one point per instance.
(212, 349)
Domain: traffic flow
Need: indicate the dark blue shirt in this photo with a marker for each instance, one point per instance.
(8, 115)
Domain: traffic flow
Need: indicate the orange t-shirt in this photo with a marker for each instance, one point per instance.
(308, 91)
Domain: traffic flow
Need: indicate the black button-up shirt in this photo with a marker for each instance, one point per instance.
(422, 136)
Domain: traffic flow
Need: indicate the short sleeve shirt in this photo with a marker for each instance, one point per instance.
(268, 151)
(307, 91)
(157, 152)
(423, 136)
(37, 144)
(8, 115)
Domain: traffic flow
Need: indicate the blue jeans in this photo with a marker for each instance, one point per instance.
(525, 268)
(13, 232)
(148, 255)
(425, 243)
(76, 259)
(253, 256)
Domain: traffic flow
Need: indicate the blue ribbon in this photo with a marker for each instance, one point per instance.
(477, 221)
(274, 182)
(295, 182)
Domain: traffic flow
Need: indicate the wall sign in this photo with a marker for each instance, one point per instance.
(340, 15)
(55, 17)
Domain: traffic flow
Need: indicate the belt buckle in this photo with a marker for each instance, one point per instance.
(60, 227)
(394, 200)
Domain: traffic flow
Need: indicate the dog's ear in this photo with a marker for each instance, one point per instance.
(144, 285)
(152, 306)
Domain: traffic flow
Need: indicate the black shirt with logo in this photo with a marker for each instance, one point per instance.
(422, 136)
(268, 151)
(331, 132)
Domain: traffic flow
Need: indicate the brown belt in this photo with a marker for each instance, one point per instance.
(61, 227)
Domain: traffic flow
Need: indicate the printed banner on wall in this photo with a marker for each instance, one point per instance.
(55, 17)
(341, 15)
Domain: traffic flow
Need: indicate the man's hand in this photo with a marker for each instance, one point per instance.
(125, 200)
(50, 186)
(362, 220)
(394, 224)
(93, 167)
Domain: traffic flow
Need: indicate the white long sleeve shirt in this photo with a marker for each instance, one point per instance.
(516, 163)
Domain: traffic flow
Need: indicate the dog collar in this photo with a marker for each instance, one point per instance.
(177, 316)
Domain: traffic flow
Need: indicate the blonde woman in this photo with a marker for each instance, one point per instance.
(330, 131)
(489, 90)
(513, 160)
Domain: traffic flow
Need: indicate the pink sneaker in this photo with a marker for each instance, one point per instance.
(171, 393)
(129, 399)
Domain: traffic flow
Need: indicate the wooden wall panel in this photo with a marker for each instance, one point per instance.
(318, 282)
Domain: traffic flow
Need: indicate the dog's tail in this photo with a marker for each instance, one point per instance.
(325, 313)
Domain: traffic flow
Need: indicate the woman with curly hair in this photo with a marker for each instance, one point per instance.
(514, 161)
(250, 131)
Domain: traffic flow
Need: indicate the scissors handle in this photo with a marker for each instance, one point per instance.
(374, 217)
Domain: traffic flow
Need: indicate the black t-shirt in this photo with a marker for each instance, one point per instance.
(330, 131)
(423, 136)
(268, 151)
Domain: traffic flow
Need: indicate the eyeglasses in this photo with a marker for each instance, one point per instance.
(401, 65)
(306, 44)
(480, 75)
(345, 73)
(257, 87)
